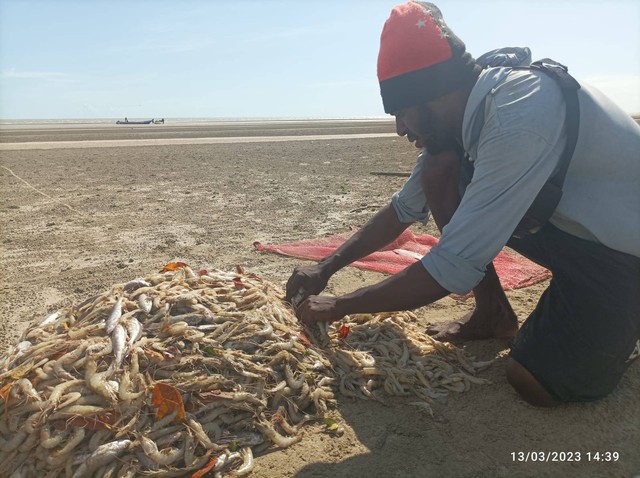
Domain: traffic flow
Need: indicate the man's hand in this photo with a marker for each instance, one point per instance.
(410, 288)
(319, 308)
(306, 281)
(379, 231)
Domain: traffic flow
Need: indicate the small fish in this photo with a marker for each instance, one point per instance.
(410, 254)
(49, 319)
(145, 303)
(297, 298)
(118, 339)
(103, 455)
(115, 315)
(21, 348)
(135, 284)
(134, 329)
(242, 439)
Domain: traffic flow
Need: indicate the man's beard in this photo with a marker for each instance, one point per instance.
(440, 145)
(436, 136)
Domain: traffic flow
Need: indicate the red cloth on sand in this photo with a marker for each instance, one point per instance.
(514, 270)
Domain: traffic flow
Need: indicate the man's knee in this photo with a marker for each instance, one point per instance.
(527, 385)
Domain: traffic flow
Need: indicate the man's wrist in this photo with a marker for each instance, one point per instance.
(329, 266)
(342, 306)
(355, 302)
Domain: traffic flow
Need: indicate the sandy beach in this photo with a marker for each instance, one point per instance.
(77, 218)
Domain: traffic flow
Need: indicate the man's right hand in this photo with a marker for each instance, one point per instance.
(379, 231)
(306, 281)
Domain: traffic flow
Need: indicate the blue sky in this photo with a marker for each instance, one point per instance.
(272, 58)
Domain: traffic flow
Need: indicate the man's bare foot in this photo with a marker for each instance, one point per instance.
(498, 322)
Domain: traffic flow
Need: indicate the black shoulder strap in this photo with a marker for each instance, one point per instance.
(570, 87)
(549, 196)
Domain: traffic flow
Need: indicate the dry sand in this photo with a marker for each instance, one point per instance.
(116, 213)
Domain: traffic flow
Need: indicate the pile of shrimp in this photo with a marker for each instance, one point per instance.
(384, 355)
(84, 392)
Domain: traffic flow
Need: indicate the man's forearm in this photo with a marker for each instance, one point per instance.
(414, 286)
(409, 289)
(381, 229)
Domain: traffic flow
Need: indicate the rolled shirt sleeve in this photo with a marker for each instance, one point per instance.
(515, 157)
(410, 203)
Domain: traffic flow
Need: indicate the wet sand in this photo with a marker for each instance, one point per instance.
(220, 129)
(98, 216)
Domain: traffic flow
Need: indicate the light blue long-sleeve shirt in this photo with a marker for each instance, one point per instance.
(515, 142)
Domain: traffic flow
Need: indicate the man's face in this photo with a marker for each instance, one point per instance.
(425, 126)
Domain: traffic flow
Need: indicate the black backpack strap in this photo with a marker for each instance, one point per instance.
(570, 87)
(549, 196)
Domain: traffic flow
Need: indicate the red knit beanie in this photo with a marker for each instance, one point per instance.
(420, 57)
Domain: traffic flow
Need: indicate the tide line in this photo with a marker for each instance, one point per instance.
(125, 143)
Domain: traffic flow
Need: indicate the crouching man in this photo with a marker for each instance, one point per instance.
(508, 126)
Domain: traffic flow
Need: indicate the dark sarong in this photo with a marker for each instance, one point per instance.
(578, 339)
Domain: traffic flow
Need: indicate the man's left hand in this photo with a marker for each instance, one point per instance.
(319, 308)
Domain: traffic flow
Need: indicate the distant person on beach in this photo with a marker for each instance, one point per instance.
(490, 137)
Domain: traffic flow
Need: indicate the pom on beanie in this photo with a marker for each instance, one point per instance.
(420, 58)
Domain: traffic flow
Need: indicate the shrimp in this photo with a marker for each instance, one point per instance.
(48, 441)
(58, 391)
(26, 387)
(189, 449)
(31, 441)
(164, 457)
(291, 381)
(124, 392)
(201, 435)
(14, 443)
(98, 437)
(247, 463)
(70, 357)
(57, 458)
(278, 440)
(73, 410)
(98, 381)
(225, 461)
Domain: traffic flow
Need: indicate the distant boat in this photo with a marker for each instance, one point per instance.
(160, 121)
(126, 121)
